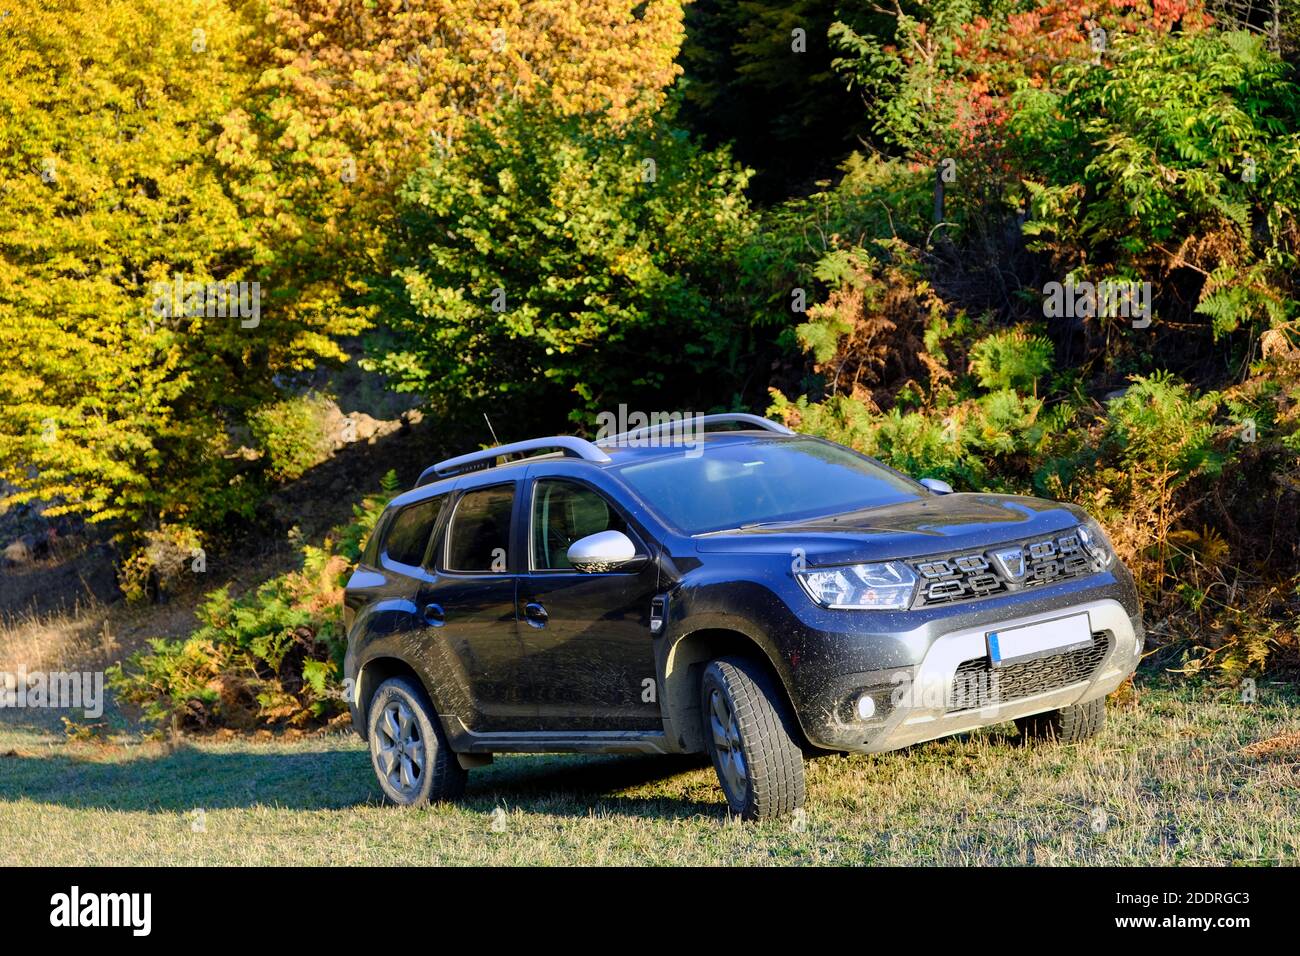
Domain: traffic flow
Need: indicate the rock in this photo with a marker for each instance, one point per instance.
(342, 430)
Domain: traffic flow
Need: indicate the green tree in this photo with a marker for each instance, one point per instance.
(1180, 154)
(557, 264)
(350, 95)
(758, 74)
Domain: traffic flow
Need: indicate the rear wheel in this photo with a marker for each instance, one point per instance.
(410, 755)
(752, 739)
(1067, 725)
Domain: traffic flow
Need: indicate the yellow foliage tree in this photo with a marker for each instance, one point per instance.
(109, 191)
(353, 95)
(151, 145)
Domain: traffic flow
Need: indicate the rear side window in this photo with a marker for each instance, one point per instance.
(479, 538)
(370, 555)
(409, 530)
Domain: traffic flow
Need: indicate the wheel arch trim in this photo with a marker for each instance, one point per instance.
(372, 672)
(683, 659)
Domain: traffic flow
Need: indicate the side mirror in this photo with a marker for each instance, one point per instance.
(937, 486)
(603, 551)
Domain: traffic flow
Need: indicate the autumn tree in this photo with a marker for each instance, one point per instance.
(352, 94)
(149, 146)
(114, 397)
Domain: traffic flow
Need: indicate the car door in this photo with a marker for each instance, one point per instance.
(379, 601)
(467, 598)
(589, 650)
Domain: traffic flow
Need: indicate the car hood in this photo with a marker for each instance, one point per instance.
(931, 525)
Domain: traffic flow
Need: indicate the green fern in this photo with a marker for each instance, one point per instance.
(1010, 359)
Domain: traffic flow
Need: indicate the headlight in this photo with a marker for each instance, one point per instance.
(1096, 543)
(886, 586)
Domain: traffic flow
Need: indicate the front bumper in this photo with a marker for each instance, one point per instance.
(930, 699)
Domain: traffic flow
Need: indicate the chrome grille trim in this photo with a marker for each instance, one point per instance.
(1002, 569)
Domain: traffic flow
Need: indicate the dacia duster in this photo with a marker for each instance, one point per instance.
(730, 587)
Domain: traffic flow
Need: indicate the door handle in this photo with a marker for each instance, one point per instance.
(434, 615)
(535, 614)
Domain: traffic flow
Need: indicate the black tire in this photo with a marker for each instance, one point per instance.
(770, 781)
(435, 774)
(1067, 725)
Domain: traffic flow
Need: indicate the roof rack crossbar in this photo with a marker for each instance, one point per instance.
(699, 421)
(487, 458)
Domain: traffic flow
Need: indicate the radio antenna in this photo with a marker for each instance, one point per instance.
(495, 440)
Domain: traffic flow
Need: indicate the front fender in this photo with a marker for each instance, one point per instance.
(706, 621)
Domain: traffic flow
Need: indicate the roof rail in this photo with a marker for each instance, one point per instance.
(487, 458)
(700, 421)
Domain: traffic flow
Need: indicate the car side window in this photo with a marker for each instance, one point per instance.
(563, 512)
(370, 555)
(409, 530)
(479, 537)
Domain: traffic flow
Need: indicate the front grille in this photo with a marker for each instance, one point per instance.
(1018, 566)
(978, 683)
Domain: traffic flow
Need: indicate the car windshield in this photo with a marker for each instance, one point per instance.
(734, 485)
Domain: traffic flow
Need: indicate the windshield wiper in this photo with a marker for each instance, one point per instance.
(748, 526)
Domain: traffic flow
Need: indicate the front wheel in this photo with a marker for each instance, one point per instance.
(1067, 725)
(407, 747)
(752, 739)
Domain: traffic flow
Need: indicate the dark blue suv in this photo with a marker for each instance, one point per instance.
(751, 592)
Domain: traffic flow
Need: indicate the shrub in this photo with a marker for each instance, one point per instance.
(157, 565)
(551, 262)
(1011, 359)
(270, 658)
(867, 339)
(1179, 155)
(292, 435)
(989, 442)
(1154, 439)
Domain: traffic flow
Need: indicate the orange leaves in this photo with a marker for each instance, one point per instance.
(375, 75)
(354, 95)
(1058, 30)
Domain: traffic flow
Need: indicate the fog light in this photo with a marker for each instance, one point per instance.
(866, 707)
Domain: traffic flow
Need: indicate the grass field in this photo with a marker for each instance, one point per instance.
(1184, 776)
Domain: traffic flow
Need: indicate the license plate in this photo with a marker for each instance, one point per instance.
(1039, 640)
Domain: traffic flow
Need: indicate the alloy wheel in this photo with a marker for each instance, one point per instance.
(726, 746)
(400, 750)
